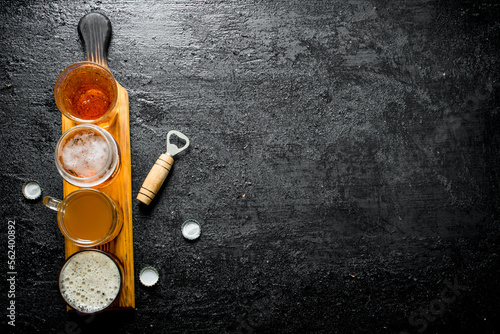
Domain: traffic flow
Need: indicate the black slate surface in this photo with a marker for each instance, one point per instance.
(344, 163)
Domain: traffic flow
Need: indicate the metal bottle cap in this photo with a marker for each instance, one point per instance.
(191, 229)
(149, 276)
(32, 190)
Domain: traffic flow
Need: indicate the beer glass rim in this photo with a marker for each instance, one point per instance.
(98, 178)
(79, 242)
(67, 71)
(109, 255)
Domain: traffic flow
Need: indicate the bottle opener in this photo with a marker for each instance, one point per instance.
(160, 169)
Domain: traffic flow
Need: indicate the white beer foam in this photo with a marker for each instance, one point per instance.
(90, 281)
(85, 154)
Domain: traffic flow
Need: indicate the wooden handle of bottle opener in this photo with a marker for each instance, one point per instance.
(155, 178)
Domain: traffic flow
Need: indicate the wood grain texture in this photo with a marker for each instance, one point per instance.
(120, 191)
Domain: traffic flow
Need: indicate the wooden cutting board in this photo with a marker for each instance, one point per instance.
(95, 32)
(120, 190)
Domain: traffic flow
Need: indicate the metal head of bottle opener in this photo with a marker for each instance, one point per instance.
(161, 168)
(173, 149)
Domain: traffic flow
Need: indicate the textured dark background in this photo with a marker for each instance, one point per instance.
(344, 163)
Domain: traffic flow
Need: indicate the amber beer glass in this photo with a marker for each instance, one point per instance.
(87, 93)
(87, 217)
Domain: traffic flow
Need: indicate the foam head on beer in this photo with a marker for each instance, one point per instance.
(85, 154)
(90, 281)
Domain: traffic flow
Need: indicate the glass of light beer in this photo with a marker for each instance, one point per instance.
(90, 281)
(87, 217)
(87, 156)
(87, 93)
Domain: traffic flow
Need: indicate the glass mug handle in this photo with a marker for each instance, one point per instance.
(51, 203)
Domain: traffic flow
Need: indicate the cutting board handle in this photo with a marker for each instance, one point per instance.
(95, 32)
